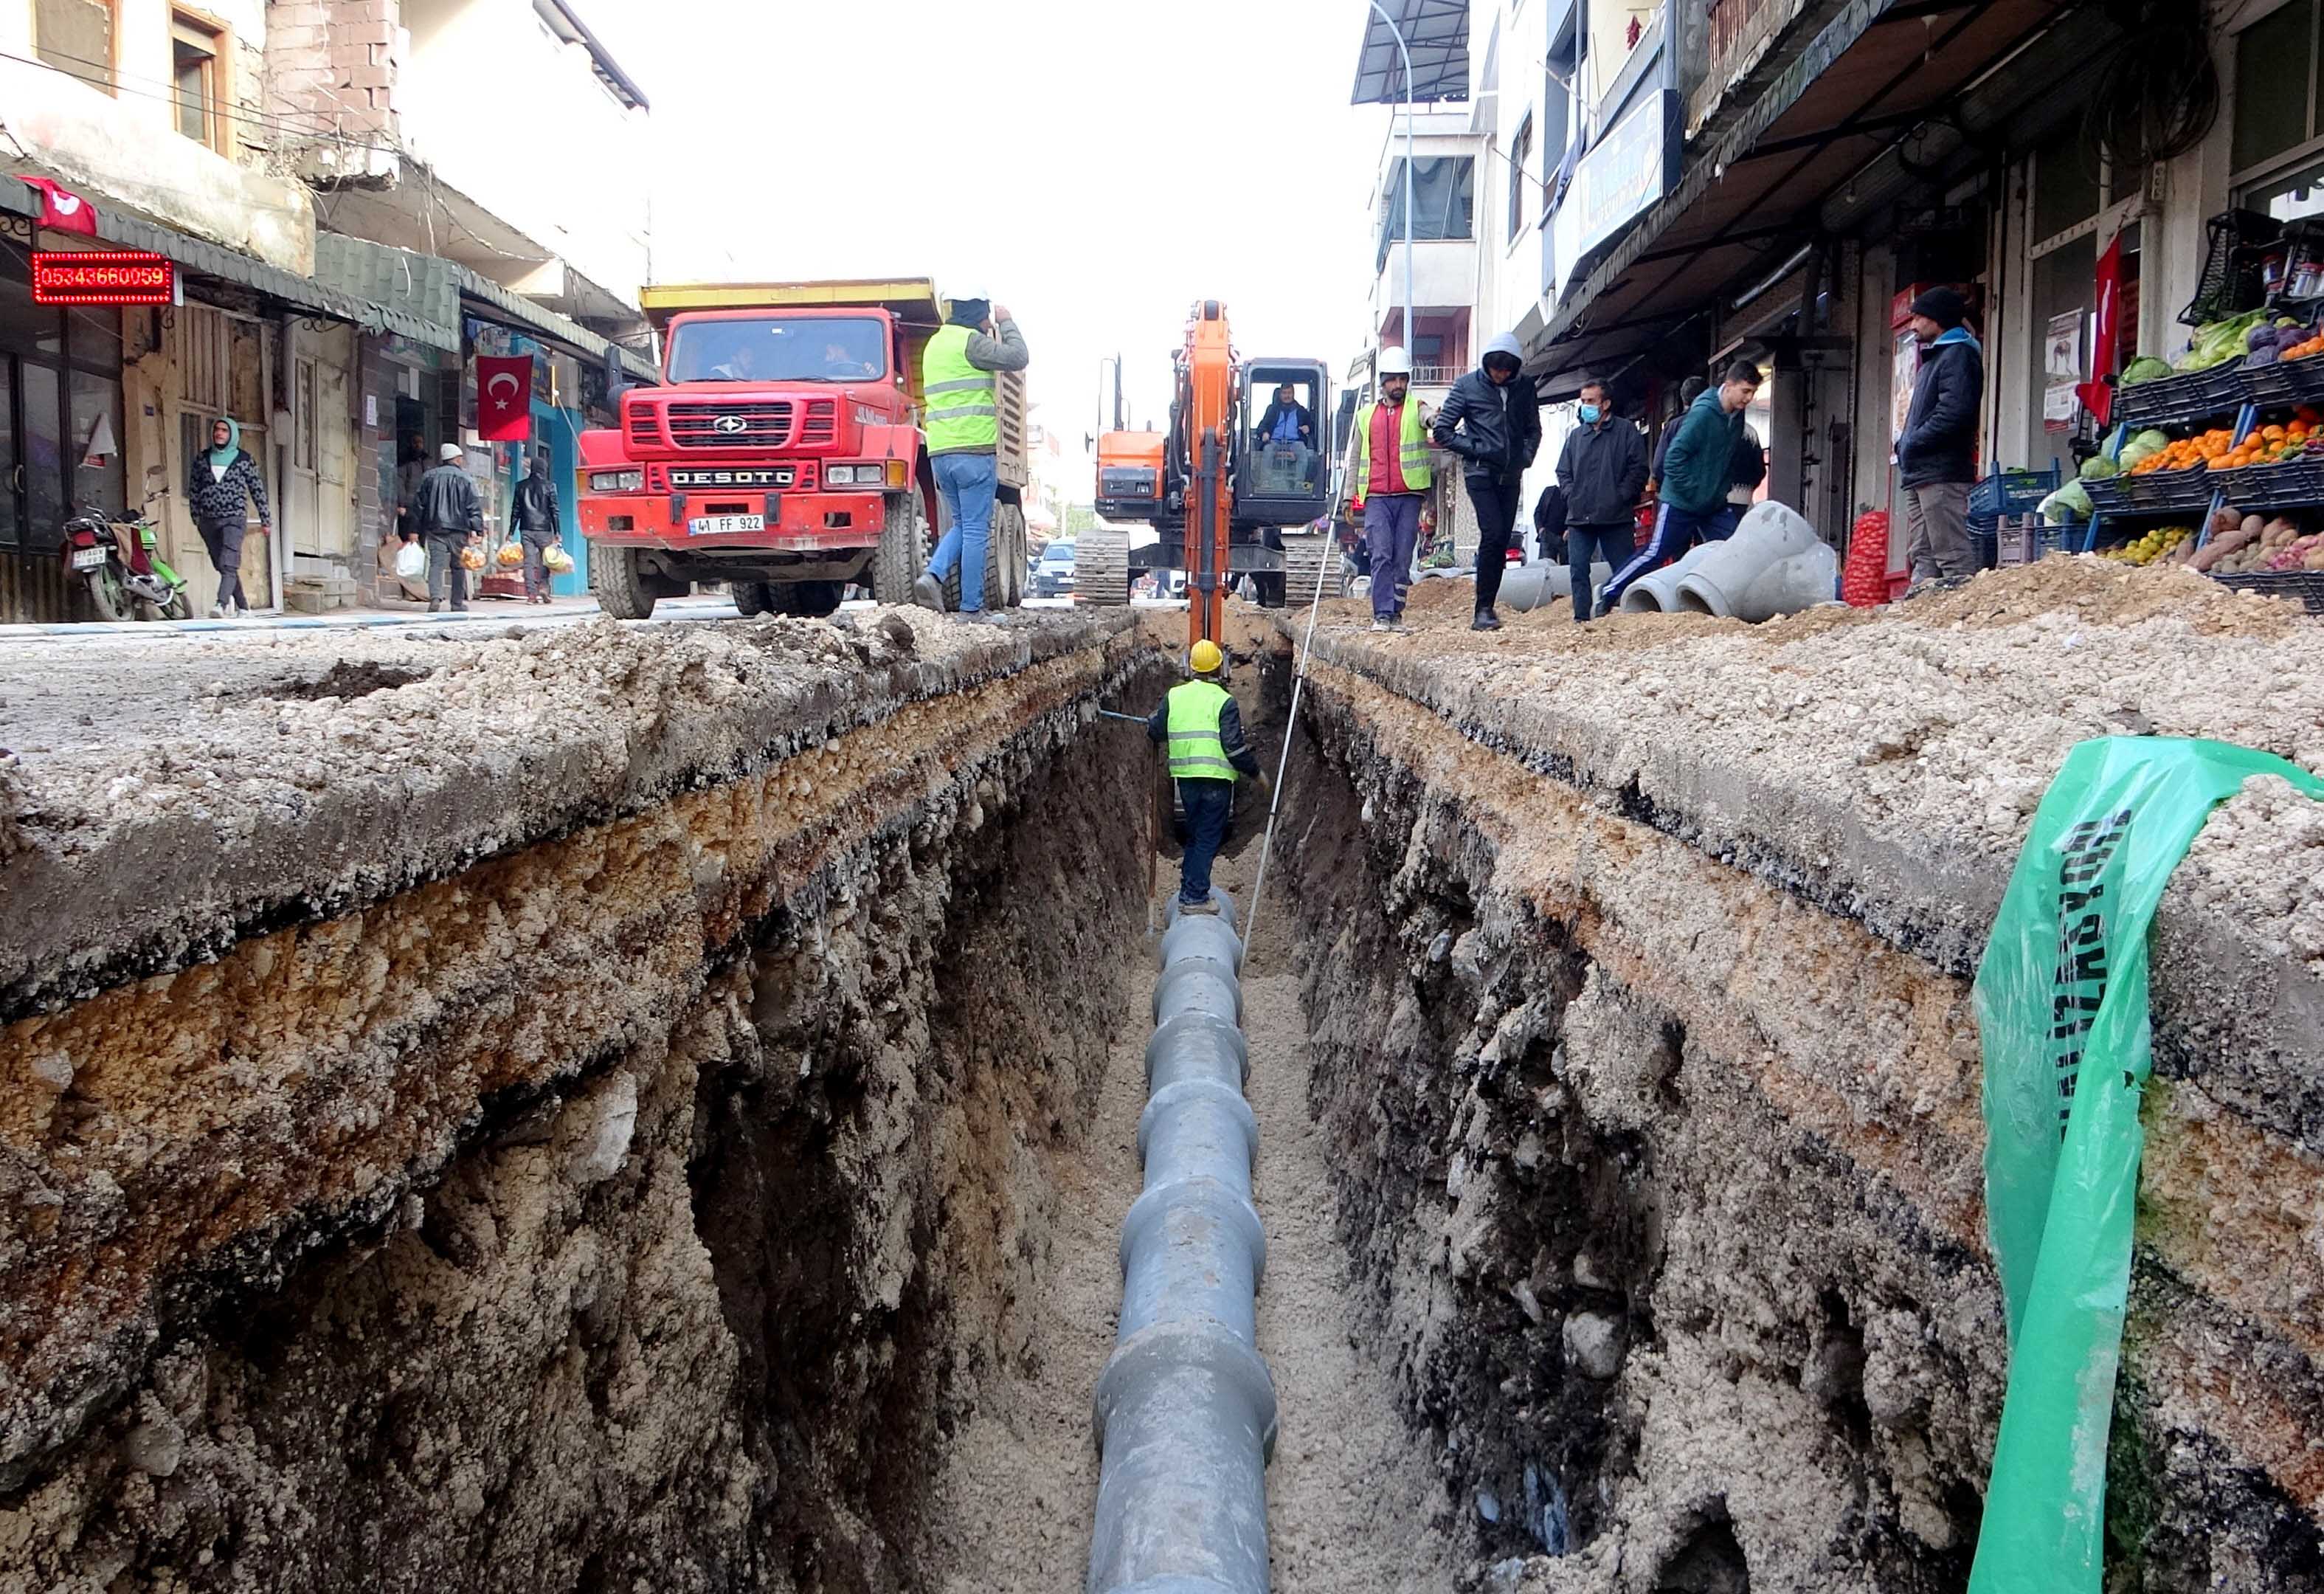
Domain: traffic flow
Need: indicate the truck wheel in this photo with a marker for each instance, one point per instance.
(619, 584)
(1008, 548)
(755, 598)
(903, 548)
(812, 599)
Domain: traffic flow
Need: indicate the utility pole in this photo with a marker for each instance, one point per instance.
(1411, 177)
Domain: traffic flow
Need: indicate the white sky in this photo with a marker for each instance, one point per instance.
(1123, 159)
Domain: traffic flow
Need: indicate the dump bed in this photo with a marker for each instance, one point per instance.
(912, 300)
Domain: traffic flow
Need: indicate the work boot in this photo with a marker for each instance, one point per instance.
(1383, 627)
(929, 593)
(1209, 904)
(1485, 620)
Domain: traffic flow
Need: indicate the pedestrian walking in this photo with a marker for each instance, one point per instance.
(1549, 522)
(1936, 453)
(1492, 420)
(220, 482)
(538, 525)
(1202, 725)
(447, 512)
(1393, 475)
(1696, 472)
(1745, 472)
(964, 430)
(1603, 471)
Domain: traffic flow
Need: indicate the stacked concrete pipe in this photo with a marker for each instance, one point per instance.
(1186, 1408)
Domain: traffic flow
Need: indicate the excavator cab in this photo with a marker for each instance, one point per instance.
(1282, 471)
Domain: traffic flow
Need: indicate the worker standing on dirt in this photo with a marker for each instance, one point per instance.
(1492, 420)
(446, 511)
(1200, 721)
(963, 419)
(1393, 476)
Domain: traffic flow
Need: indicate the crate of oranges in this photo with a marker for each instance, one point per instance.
(2180, 473)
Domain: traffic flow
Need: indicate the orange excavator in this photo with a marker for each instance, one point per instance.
(1246, 460)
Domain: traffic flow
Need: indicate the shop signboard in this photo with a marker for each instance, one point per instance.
(1630, 167)
(103, 276)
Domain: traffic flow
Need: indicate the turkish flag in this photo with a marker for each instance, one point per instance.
(61, 209)
(504, 397)
(2098, 394)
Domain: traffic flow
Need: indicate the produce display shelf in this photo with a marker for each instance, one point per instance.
(2307, 586)
(2297, 484)
(2198, 397)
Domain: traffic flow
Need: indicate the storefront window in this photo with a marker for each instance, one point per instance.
(2290, 199)
(43, 461)
(2276, 69)
(98, 480)
(2065, 183)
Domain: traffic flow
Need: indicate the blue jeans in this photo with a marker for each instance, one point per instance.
(1586, 545)
(966, 482)
(1392, 528)
(1209, 805)
(1676, 530)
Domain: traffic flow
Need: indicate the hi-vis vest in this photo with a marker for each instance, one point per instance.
(1197, 751)
(961, 417)
(1412, 454)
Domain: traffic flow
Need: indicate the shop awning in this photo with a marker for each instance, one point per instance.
(202, 259)
(1875, 76)
(505, 305)
(1435, 35)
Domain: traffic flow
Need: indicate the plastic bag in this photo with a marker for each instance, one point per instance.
(472, 558)
(557, 559)
(2061, 1011)
(412, 562)
(511, 554)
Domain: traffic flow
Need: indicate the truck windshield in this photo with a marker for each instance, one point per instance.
(808, 348)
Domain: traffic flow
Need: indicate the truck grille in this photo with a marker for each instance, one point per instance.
(822, 423)
(765, 425)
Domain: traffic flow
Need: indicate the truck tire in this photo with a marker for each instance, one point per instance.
(812, 599)
(903, 548)
(755, 598)
(996, 560)
(619, 584)
(1010, 548)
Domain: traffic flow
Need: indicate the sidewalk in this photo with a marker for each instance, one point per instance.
(480, 611)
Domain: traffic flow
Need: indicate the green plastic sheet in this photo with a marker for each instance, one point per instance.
(2062, 1007)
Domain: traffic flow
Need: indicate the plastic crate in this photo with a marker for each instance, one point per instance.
(2166, 490)
(2111, 495)
(2011, 492)
(2303, 378)
(2188, 400)
(2271, 387)
(2306, 586)
(2294, 484)
(2230, 281)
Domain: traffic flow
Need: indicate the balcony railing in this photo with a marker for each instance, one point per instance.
(1436, 375)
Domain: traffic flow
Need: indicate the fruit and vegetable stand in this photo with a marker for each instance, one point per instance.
(2229, 494)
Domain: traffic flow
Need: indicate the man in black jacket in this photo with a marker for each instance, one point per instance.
(1286, 421)
(1936, 453)
(446, 511)
(537, 522)
(1492, 420)
(1603, 470)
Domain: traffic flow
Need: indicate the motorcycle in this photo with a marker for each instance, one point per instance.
(127, 579)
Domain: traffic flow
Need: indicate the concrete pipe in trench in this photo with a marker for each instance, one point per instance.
(1186, 1408)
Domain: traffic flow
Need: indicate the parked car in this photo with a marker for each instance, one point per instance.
(1053, 577)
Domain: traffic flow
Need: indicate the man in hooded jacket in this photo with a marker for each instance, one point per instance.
(1936, 453)
(537, 522)
(218, 482)
(1492, 420)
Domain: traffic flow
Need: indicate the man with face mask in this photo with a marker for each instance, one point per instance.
(1603, 470)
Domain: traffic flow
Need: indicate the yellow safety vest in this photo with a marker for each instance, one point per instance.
(961, 415)
(1412, 452)
(1197, 751)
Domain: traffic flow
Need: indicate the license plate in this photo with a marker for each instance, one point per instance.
(88, 559)
(720, 525)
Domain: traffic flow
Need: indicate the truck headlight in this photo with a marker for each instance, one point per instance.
(846, 475)
(617, 481)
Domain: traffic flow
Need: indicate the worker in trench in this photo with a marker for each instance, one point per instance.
(1203, 726)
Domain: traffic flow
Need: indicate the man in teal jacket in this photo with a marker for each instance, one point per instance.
(1696, 475)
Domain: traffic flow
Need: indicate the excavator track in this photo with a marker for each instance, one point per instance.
(1101, 569)
(1308, 556)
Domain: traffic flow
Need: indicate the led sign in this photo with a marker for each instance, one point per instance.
(103, 276)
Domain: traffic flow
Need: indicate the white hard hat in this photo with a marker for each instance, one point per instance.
(1395, 362)
(961, 295)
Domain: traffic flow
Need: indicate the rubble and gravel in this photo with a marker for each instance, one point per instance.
(200, 788)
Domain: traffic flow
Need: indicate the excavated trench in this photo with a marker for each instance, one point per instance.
(708, 1175)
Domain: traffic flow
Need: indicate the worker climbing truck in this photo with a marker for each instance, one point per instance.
(784, 453)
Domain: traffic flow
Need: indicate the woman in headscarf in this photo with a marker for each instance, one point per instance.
(218, 482)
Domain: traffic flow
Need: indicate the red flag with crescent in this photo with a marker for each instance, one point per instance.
(61, 209)
(504, 397)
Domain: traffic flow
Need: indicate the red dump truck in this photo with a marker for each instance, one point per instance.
(782, 455)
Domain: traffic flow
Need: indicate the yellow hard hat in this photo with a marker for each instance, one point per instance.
(1205, 657)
